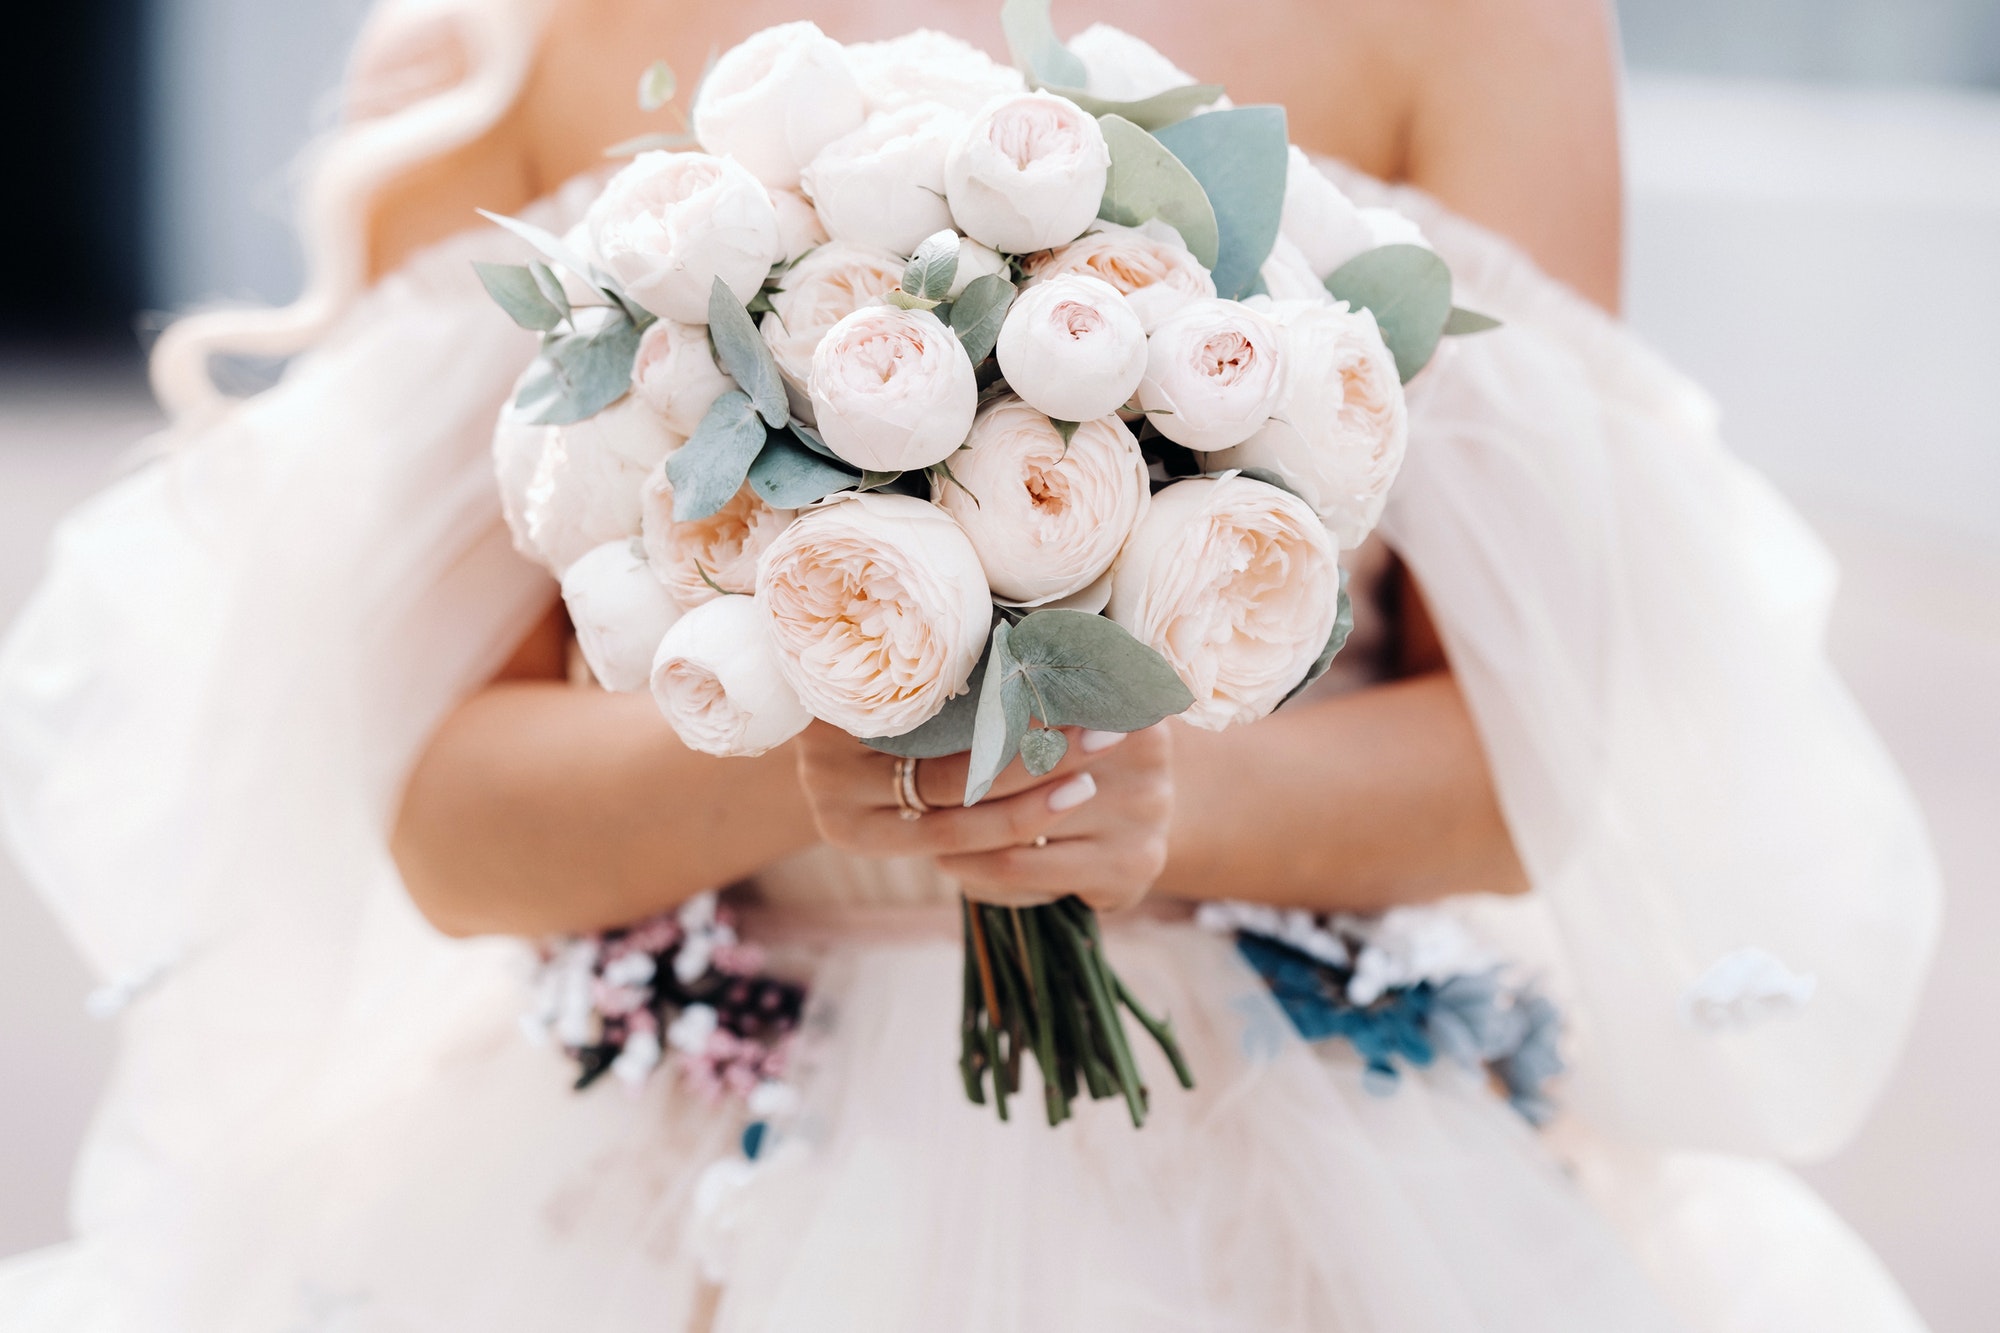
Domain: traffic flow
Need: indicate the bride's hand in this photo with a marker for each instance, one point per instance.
(1104, 812)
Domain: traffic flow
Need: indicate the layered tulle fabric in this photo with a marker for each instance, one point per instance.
(323, 1116)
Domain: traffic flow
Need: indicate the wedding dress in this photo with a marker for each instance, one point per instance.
(324, 1117)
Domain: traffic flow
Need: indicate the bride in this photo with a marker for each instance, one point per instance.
(287, 740)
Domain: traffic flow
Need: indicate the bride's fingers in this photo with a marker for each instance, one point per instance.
(987, 826)
(1107, 878)
(941, 781)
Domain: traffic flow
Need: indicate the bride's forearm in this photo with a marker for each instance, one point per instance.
(539, 808)
(1352, 804)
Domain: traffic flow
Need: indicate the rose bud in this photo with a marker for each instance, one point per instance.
(1214, 374)
(799, 227)
(1319, 219)
(585, 487)
(620, 612)
(1028, 173)
(675, 373)
(670, 224)
(716, 679)
(700, 559)
(1121, 67)
(892, 390)
(882, 185)
(1073, 348)
(815, 294)
(1150, 265)
(775, 99)
(927, 67)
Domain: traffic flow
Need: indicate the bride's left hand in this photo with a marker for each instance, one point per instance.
(1104, 814)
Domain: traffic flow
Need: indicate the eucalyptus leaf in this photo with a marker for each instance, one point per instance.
(545, 241)
(950, 732)
(1042, 748)
(1066, 429)
(1148, 113)
(1343, 625)
(656, 86)
(875, 481)
(978, 313)
(1239, 157)
(550, 286)
(931, 269)
(711, 467)
(515, 290)
(1463, 322)
(1408, 289)
(902, 300)
(790, 476)
(578, 375)
(743, 353)
(1000, 720)
(1082, 670)
(1147, 181)
(810, 438)
(1037, 51)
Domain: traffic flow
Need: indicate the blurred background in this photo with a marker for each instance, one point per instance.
(1814, 234)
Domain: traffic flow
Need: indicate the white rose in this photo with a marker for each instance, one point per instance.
(1047, 518)
(975, 261)
(620, 612)
(675, 373)
(1122, 68)
(1150, 265)
(1236, 584)
(716, 679)
(1028, 173)
(777, 98)
(695, 557)
(585, 490)
(927, 66)
(1214, 374)
(1319, 219)
(1288, 276)
(1388, 227)
(892, 390)
(879, 610)
(882, 185)
(799, 227)
(815, 294)
(670, 224)
(1339, 436)
(1072, 347)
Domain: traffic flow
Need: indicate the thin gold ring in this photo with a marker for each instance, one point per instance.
(910, 803)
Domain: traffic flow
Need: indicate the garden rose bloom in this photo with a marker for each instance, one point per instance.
(1339, 436)
(620, 612)
(1049, 518)
(815, 294)
(585, 487)
(892, 390)
(1214, 374)
(1388, 227)
(724, 546)
(1072, 347)
(1319, 219)
(675, 373)
(882, 185)
(1150, 265)
(879, 610)
(1236, 584)
(1028, 173)
(1122, 68)
(775, 99)
(926, 66)
(716, 679)
(1288, 276)
(975, 261)
(670, 224)
(799, 227)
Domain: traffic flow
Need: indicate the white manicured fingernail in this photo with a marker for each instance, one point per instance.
(1072, 793)
(1095, 742)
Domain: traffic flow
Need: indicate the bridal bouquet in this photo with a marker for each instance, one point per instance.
(953, 404)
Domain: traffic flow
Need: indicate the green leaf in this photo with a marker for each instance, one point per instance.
(712, 465)
(1066, 429)
(902, 300)
(875, 481)
(950, 732)
(1148, 113)
(790, 476)
(1036, 49)
(1463, 322)
(809, 437)
(1408, 289)
(1343, 625)
(743, 353)
(578, 375)
(931, 269)
(656, 86)
(1238, 155)
(1269, 478)
(1042, 749)
(514, 289)
(1082, 670)
(978, 313)
(1147, 181)
(547, 242)
(1000, 720)
(550, 286)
